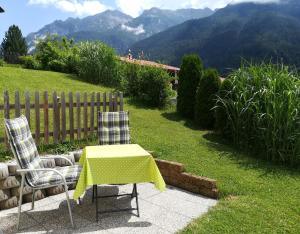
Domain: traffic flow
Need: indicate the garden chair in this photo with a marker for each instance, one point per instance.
(113, 129)
(31, 166)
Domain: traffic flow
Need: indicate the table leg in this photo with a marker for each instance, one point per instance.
(136, 200)
(96, 195)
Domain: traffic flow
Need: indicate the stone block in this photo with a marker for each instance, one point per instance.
(3, 196)
(12, 168)
(198, 180)
(169, 166)
(54, 190)
(212, 193)
(9, 182)
(62, 162)
(38, 196)
(16, 191)
(3, 171)
(49, 163)
(9, 203)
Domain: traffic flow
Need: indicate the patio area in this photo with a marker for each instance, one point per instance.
(160, 212)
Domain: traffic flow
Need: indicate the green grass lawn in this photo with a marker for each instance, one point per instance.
(255, 196)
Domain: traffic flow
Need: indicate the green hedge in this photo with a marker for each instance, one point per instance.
(148, 84)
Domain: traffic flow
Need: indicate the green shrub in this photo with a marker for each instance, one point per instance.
(149, 85)
(130, 82)
(263, 111)
(98, 64)
(72, 61)
(189, 76)
(209, 86)
(1, 62)
(154, 87)
(57, 65)
(30, 62)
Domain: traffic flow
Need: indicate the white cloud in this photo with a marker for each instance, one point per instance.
(138, 30)
(80, 8)
(136, 7)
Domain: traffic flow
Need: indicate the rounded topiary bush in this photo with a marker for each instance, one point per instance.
(209, 86)
(189, 76)
(154, 88)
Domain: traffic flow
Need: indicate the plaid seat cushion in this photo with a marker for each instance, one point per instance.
(24, 146)
(71, 174)
(113, 128)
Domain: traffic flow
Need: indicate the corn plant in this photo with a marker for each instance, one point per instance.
(261, 111)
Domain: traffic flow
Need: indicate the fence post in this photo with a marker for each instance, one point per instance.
(71, 116)
(46, 118)
(111, 106)
(17, 104)
(92, 114)
(104, 102)
(85, 115)
(27, 107)
(6, 113)
(37, 117)
(121, 101)
(55, 117)
(78, 116)
(63, 117)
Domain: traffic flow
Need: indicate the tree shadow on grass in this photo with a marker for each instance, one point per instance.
(248, 160)
(174, 116)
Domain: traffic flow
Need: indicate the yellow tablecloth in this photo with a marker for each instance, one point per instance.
(117, 164)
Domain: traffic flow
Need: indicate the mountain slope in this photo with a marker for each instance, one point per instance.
(251, 31)
(116, 28)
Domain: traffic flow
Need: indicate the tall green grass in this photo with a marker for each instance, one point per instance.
(261, 106)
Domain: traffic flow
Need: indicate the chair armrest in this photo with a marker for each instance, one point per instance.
(25, 171)
(58, 157)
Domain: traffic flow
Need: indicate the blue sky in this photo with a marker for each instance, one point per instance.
(31, 15)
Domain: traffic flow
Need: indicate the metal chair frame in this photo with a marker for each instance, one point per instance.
(23, 173)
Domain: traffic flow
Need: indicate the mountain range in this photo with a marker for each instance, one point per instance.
(116, 28)
(222, 38)
(254, 32)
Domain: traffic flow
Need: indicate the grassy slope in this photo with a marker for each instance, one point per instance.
(256, 197)
(13, 79)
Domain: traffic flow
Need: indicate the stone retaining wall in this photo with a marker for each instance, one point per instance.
(10, 182)
(172, 172)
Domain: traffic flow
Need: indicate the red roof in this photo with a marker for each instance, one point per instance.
(150, 63)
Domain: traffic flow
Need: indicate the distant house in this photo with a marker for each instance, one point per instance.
(1, 10)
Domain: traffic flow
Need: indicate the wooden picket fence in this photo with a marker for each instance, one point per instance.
(72, 115)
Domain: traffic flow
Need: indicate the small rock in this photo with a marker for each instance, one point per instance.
(3, 171)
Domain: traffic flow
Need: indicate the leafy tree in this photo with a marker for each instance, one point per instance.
(13, 45)
(57, 54)
(209, 86)
(189, 76)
